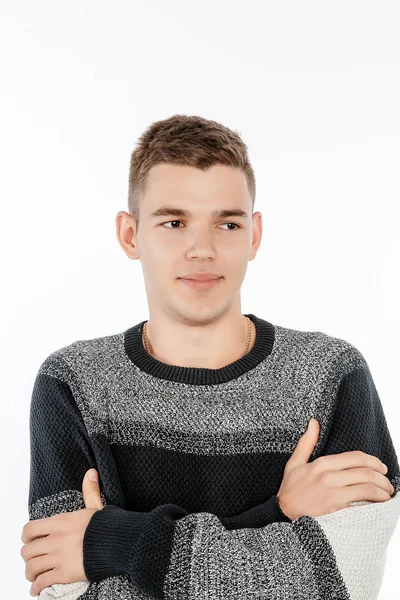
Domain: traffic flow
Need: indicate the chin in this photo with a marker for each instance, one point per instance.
(203, 314)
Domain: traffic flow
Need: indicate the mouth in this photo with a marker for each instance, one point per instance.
(201, 285)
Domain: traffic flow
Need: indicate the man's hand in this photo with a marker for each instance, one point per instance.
(53, 547)
(329, 483)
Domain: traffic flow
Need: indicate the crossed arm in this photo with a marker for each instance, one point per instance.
(170, 553)
(349, 545)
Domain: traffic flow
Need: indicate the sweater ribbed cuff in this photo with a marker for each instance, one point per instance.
(257, 516)
(283, 517)
(110, 542)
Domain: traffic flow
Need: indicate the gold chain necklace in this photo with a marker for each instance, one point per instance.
(146, 345)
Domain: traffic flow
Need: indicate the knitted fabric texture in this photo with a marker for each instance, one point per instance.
(190, 461)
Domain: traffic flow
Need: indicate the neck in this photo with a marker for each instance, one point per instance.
(211, 345)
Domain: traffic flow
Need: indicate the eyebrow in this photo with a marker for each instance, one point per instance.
(180, 212)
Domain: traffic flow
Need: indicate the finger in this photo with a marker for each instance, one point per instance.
(37, 528)
(91, 491)
(36, 548)
(305, 445)
(43, 581)
(38, 565)
(350, 460)
(360, 475)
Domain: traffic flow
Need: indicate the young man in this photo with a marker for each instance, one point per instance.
(195, 419)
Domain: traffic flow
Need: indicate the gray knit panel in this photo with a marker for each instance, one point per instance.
(263, 410)
(270, 574)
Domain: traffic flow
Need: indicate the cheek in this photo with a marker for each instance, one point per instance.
(155, 256)
(159, 249)
(234, 261)
(161, 265)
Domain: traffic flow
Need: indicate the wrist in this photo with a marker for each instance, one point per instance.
(283, 508)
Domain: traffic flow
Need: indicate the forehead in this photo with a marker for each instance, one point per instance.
(220, 183)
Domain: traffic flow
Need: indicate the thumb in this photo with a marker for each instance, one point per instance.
(305, 445)
(91, 491)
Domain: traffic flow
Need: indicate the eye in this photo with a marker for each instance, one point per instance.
(177, 221)
(235, 224)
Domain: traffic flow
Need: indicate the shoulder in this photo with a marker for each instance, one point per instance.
(84, 356)
(319, 348)
(84, 373)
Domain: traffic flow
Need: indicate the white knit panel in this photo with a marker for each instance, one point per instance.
(359, 536)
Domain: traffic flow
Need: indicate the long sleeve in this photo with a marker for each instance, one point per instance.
(172, 554)
(61, 453)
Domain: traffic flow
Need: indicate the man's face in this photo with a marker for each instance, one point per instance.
(172, 246)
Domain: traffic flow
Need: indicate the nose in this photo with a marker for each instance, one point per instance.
(201, 245)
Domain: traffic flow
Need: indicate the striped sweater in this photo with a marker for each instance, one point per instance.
(190, 461)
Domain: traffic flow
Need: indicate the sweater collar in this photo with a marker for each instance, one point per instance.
(135, 350)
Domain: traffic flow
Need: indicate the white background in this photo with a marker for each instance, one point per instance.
(314, 90)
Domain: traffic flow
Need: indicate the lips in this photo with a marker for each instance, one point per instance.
(201, 284)
(201, 276)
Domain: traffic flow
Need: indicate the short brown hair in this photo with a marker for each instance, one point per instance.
(185, 140)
